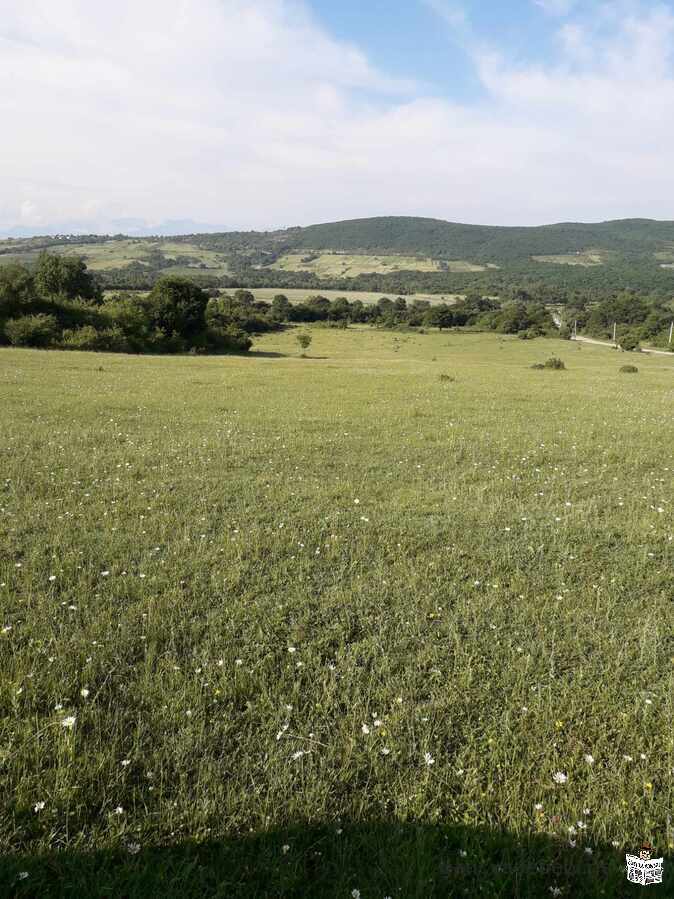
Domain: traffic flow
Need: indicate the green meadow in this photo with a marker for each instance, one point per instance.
(344, 265)
(394, 619)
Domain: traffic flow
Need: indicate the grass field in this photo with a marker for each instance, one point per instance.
(336, 265)
(335, 626)
(115, 254)
(583, 259)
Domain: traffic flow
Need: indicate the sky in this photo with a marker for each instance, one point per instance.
(141, 115)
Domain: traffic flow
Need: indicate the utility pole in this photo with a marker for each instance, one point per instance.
(671, 332)
(615, 324)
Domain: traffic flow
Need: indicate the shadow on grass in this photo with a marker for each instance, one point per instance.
(264, 354)
(372, 861)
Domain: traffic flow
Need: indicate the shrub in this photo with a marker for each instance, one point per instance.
(629, 341)
(32, 330)
(554, 362)
(304, 341)
(450, 378)
(538, 365)
(85, 338)
(629, 369)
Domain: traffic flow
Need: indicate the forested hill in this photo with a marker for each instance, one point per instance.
(434, 237)
(391, 255)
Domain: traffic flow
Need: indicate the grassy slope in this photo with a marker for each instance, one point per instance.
(343, 265)
(484, 566)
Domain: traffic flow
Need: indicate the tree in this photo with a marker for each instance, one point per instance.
(177, 306)
(280, 306)
(17, 291)
(304, 341)
(244, 297)
(65, 276)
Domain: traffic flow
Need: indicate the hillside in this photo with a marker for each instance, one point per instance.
(485, 243)
(387, 254)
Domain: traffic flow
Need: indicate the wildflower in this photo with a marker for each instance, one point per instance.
(377, 723)
(615, 844)
(119, 810)
(69, 722)
(463, 853)
(589, 758)
(52, 577)
(297, 755)
(648, 785)
(572, 844)
(539, 806)
(587, 811)
(628, 758)
(133, 848)
(292, 649)
(555, 891)
(386, 751)
(7, 628)
(239, 662)
(23, 875)
(84, 692)
(581, 825)
(355, 894)
(588, 851)
(126, 763)
(105, 573)
(365, 729)
(559, 777)
(38, 806)
(428, 758)
(285, 848)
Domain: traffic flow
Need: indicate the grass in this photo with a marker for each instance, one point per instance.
(335, 265)
(582, 259)
(337, 604)
(115, 254)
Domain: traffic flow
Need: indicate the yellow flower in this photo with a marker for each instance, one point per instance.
(648, 785)
(559, 724)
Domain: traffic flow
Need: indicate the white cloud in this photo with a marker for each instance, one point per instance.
(246, 112)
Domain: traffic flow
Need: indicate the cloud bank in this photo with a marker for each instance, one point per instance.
(246, 112)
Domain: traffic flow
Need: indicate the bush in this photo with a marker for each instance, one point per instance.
(228, 340)
(32, 330)
(85, 338)
(538, 366)
(449, 378)
(629, 369)
(629, 341)
(555, 363)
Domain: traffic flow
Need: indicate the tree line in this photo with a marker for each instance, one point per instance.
(59, 303)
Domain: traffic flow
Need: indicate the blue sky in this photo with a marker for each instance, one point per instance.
(414, 40)
(270, 113)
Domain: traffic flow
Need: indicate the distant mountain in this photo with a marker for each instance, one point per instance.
(132, 227)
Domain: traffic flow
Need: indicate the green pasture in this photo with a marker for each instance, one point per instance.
(394, 619)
